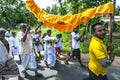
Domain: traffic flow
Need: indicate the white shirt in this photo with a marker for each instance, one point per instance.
(4, 54)
(75, 44)
(37, 37)
(49, 38)
(50, 49)
(14, 41)
(59, 43)
(14, 44)
(25, 47)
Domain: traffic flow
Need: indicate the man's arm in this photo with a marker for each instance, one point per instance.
(105, 62)
(99, 52)
(25, 36)
(79, 38)
(39, 25)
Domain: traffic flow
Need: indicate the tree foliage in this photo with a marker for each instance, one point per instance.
(76, 6)
(117, 11)
(13, 12)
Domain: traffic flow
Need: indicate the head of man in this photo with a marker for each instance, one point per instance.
(14, 34)
(98, 30)
(49, 32)
(2, 33)
(58, 36)
(76, 30)
(23, 27)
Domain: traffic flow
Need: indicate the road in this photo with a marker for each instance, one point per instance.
(68, 72)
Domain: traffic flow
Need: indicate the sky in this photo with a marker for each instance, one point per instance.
(117, 2)
(45, 3)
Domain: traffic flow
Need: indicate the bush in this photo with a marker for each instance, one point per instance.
(84, 47)
(117, 51)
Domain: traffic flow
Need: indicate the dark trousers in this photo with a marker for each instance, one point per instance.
(76, 53)
(92, 76)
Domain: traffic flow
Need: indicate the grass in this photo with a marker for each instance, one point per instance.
(84, 45)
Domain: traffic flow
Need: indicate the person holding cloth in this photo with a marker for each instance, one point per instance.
(75, 37)
(99, 60)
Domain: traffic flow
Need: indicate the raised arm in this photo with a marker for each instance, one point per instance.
(79, 38)
(25, 36)
(39, 25)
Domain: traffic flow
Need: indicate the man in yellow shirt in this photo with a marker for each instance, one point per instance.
(99, 60)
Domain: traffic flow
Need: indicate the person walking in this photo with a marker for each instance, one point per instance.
(26, 51)
(8, 67)
(76, 47)
(98, 52)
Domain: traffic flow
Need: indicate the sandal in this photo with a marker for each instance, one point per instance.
(66, 62)
(38, 74)
(83, 66)
(20, 78)
(46, 64)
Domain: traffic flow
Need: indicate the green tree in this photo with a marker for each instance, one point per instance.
(14, 12)
(117, 11)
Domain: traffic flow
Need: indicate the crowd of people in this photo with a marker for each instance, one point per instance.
(28, 44)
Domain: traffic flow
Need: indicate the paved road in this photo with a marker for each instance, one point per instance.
(68, 72)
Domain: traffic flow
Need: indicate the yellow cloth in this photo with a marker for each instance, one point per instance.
(68, 22)
(97, 50)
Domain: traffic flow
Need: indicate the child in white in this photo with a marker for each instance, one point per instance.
(60, 36)
(38, 44)
(14, 44)
(58, 45)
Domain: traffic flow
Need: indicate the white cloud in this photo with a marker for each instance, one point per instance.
(44, 3)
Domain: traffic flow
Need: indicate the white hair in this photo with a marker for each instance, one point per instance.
(22, 24)
(2, 29)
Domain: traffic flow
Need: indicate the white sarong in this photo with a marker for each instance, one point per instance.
(39, 47)
(28, 62)
(51, 60)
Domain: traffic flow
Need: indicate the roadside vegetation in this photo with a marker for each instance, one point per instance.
(85, 43)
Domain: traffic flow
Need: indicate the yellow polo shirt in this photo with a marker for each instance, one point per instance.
(97, 50)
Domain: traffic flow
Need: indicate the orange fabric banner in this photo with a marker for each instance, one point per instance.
(68, 22)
